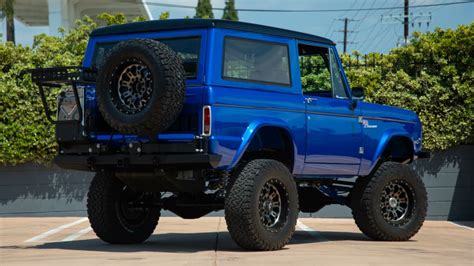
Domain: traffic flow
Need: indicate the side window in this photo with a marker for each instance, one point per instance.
(256, 61)
(319, 72)
(315, 70)
(187, 48)
(339, 90)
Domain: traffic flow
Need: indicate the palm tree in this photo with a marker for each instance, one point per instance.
(7, 9)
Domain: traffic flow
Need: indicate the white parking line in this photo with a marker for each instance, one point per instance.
(55, 230)
(463, 226)
(77, 234)
(310, 231)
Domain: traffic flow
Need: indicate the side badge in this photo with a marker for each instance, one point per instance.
(366, 124)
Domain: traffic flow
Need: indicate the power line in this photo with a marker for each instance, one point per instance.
(406, 18)
(343, 15)
(365, 16)
(383, 32)
(357, 27)
(359, 9)
(369, 43)
(312, 10)
(351, 7)
(330, 28)
(366, 43)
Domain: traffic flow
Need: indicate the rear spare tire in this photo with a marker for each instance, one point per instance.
(141, 87)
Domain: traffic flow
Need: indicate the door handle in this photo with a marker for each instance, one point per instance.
(310, 100)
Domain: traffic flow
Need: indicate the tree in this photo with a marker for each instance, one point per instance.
(229, 11)
(112, 19)
(7, 8)
(164, 15)
(204, 9)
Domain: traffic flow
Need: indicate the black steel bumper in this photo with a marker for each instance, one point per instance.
(136, 162)
(135, 156)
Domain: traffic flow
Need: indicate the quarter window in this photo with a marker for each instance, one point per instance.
(256, 61)
(339, 90)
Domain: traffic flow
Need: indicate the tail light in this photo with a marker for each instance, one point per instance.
(67, 106)
(206, 120)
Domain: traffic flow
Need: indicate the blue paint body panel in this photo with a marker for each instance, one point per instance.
(329, 137)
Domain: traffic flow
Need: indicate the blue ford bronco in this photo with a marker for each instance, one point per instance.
(194, 116)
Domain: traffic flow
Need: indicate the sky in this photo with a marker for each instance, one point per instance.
(370, 34)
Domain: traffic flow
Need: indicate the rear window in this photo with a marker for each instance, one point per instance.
(257, 61)
(187, 48)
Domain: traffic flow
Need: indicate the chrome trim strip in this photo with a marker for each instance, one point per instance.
(388, 119)
(256, 107)
(331, 114)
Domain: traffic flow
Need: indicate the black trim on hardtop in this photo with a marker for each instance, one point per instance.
(180, 24)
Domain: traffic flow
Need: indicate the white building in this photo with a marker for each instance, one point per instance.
(63, 13)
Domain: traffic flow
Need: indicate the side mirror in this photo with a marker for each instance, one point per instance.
(357, 93)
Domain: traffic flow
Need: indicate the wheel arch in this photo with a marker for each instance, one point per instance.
(257, 137)
(394, 146)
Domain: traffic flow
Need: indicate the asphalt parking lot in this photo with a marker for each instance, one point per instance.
(205, 241)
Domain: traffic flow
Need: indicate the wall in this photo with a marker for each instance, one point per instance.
(38, 190)
(449, 180)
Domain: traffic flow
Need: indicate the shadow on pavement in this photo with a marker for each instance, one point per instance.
(187, 242)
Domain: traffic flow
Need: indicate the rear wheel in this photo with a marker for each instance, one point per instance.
(261, 207)
(113, 215)
(390, 205)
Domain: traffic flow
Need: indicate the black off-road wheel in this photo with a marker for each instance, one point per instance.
(141, 87)
(112, 214)
(391, 205)
(261, 207)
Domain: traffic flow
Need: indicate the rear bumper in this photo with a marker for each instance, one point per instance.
(137, 156)
(137, 162)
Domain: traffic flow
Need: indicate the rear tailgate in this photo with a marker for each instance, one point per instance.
(185, 128)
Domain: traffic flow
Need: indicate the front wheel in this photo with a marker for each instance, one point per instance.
(112, 213)
(391, 205)
(261, 207)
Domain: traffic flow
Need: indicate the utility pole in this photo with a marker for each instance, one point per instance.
(346, 21)
(406, 18)
(345, 41)
(405, 22)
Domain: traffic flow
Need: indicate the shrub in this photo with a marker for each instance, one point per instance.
(25, 135)
(433, 76)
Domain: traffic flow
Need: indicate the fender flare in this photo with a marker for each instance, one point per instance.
(250, 132)
(384, 141)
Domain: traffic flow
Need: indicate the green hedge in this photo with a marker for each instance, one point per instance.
(441, 95)
(26, 136)
(433, 76)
